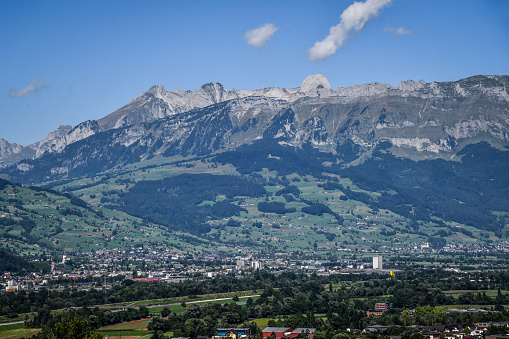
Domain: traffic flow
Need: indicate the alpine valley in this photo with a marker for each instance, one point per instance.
(304, 171)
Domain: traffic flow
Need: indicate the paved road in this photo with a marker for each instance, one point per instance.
(12, 323)
(202, 301)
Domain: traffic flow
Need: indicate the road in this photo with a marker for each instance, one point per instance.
(203, 301)
(12, 323)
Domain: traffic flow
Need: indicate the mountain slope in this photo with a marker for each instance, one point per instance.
(41, 221)
(427, 119)
(418, 115)
(434, 155)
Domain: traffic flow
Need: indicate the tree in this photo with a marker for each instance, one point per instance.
(156, 324)
(341, 336)
(66, 328)
(165, 312)
(158, 335)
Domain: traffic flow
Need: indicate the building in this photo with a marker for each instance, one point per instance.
(12, 286)
(279, 332)
(382, 306)
(256, 265)
(233, 333)
(376, 328)
(303, 331)
(377, 262)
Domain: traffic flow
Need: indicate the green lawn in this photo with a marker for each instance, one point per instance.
(262, 322)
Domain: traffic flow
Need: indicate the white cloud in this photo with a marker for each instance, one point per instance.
(398, 31)
(353, 19)
(35, 86)
(258, 37)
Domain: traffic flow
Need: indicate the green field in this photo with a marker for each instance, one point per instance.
(64, 225)
(134, 329)
(489, 293)
(466, 307)
(16, 331)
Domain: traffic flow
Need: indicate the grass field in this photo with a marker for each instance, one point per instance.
(489, 293)
(262, 322)
(476, 307)
(131, 329)
(17, 331)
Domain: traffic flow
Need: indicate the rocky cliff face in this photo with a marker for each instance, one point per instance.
(433, 118)
(52, 142)
(12, 153)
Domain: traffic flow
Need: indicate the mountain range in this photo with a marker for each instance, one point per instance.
(429, 152)
(432, 118)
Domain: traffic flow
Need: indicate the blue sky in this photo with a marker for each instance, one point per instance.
(64, 62)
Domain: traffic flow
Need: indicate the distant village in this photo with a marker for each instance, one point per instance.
(99, 273)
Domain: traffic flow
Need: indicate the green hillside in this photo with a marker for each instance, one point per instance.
(309, 210)
(34, 220)
(266, 198)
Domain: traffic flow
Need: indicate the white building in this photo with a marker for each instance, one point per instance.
(377, 262)
(256, 265)
(12, 286)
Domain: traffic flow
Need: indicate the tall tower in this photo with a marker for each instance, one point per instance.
(377, 262)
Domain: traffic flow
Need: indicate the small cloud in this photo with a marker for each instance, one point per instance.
(258, 37)
(353, 19)
(35, 86)
(398, 31)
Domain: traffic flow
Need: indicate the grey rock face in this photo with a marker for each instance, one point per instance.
(426, 117)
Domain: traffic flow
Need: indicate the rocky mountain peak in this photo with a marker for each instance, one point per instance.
(7, 148)
(411, 85)
(157, 90)
(215, 91)
(464, 109)
(315, 82)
